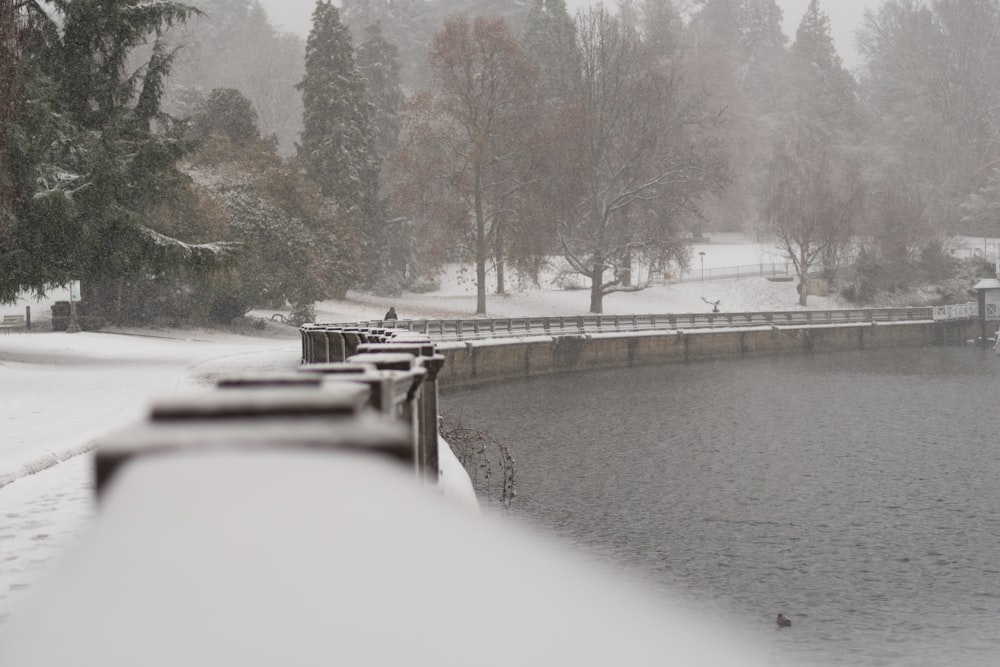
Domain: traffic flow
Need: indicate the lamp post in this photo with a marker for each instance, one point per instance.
(702, 254)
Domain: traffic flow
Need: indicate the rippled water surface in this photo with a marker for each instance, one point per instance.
(857, 492)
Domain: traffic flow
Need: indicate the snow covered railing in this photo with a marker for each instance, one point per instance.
(483, 328)
(382, 400)
(957, 311)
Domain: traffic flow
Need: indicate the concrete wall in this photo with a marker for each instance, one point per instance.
(482, 362)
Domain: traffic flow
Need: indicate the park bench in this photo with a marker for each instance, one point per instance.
(13, 322)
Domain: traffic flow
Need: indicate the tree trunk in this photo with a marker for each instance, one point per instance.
(596, 295)
(803, 276)
(499, 258)
(626, 272)
(481, 255)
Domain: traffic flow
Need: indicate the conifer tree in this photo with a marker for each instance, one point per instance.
(337, 147)
(378, 63)
(549, 40)
(10, 100)
(812, 198)
(92, 153)
(824, 90)
(406, 24)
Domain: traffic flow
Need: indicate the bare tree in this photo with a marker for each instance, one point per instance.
(464, 143)
(648, 153)
(811, 201)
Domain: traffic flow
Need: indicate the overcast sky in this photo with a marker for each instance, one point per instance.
(845, 17)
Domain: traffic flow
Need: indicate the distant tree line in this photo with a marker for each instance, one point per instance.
(190, 162)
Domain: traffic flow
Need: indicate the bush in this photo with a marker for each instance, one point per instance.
(302, 313)
(225, 309)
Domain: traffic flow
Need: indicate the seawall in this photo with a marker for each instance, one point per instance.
(472, 363)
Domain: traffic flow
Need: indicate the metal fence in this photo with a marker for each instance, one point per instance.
(475, 329)
(695, 274)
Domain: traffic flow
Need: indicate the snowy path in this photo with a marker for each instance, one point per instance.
(58, 392)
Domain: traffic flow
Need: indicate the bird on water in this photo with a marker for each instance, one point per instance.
(784, 621)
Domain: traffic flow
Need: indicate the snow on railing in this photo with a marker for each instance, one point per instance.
(957, 311)
(483, 328)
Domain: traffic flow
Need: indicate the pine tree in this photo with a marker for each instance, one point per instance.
(378, 63)
(404, 23)
(824, 90)
(10, 100)
(337, 143)
(549, 40)
(93, 154)
(337, 146)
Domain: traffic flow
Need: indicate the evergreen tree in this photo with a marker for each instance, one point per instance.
(824, 92)
(404, 23)
(549, 40)
(715, 27)
(337, 147)
(226, 112)
(662, 28)
(812, 199)
(92, 154)
(378, 63)
(10, 100)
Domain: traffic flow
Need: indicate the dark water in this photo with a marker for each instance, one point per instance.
(857, 492)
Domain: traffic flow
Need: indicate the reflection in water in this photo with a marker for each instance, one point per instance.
(857, 492)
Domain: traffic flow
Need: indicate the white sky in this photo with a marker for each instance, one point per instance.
(845, 18)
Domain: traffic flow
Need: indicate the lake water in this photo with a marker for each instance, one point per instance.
(857, 492)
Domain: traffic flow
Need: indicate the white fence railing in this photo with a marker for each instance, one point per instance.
(957, 311)
(473, 329)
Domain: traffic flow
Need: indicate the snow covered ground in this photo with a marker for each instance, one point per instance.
(457, 294)
(59, 391)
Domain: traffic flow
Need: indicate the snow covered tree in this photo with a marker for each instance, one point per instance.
(813, 199)
(294, 245)
(337, 146)
(93, 155)
(405, 24)
(378, 63)
(11, 98)
(933, 88)
(814, 186)
(648, 148)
